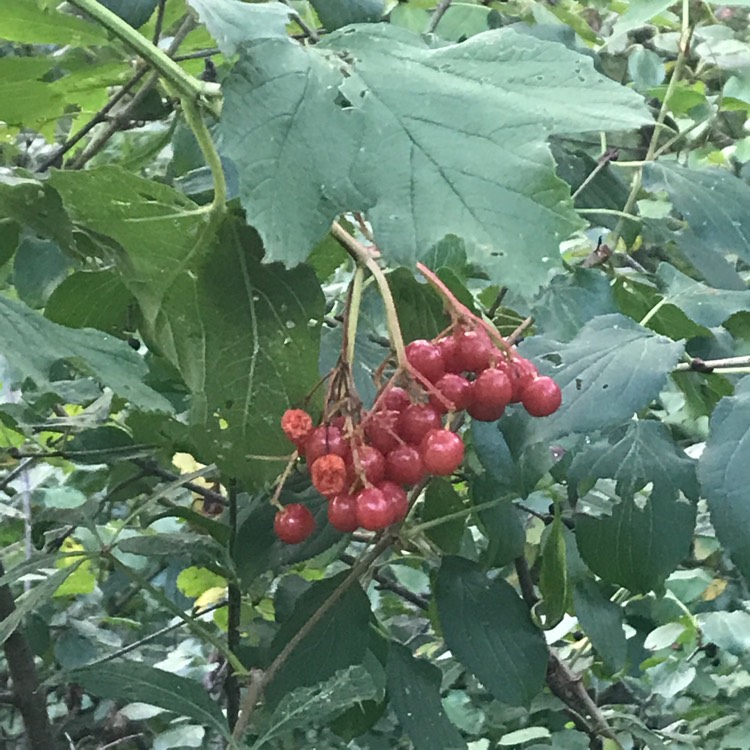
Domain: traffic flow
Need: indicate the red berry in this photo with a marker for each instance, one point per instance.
(521, 373)
(448, 346)
(293, 524)
(542, 397)
(342, 513)
(442, 452)
(474, 350)
(485, 412)
(398, 499)
(403, 465)
(492, 388)
(381, 430)
(323, 440)
(329, 474)
(297, 425)
(374, 510)
(456, 389)
(396, 399)
(416, 421)
(371, 462)
(426, 359)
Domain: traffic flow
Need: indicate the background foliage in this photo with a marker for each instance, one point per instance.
(169, 175)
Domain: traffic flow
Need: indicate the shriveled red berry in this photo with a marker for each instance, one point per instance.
(521, 373)
(425, 357)
(396, 399)
(381, 430)
(403, 465)
(342, 513)
(329, 474)
(297, 425)
(456, 388)
(293, 524)
(442, 452)
(541, 397)
(398, 499)
(371, 463)
(492, 388)
(374, 510)
(448, 346)
(324, 440)
(416, 421)
(474, 350)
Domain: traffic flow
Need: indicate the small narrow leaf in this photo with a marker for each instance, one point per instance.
(553, 576)
(489, 630)
(129, 681)
(414, 691)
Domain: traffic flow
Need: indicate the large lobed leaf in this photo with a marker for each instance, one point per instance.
(724, 472)
(429, 141)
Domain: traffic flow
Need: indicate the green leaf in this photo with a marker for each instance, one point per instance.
(34, 599)
(28, 22)
(132, 681)
(440, 500)
(414, 691)
(338, 640)
(501, 522)
(489, 630)
(34, 344)
(463, 20)
(638, 14)
(243, 333)
(200, 549)
(60, 497)
(640, 452)
(602, 621)
(571, 301)
(599, 372)
(233, 23)
(314, 706)
(713, 203)
(703, 304)
(91, 299)
(728, 630)
(641, 542)
(334, 14)
(724, 472)
(38, 268)
(134, 12)
(553, 574)
(420, 309)
(35, 205)
(493, 186)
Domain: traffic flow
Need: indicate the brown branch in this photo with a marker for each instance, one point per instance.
(234, 606)
(386, 583)
(152, 468)
(523, 326)
(30, 699)
(439, 12)
(700, 365)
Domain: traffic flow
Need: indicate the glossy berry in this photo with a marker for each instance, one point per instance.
(474, 350)
(541, 397)
(416, 421)
(371, 463)
(381, 430)
(492, 388)
(442, 452)
(396, 399)
(342, 513)
(293, 524)
(448, 346)
(324, 440)
(426, 359)
(403, 465)
(456, 389)
(329, 474)
(374, 510)
(485, 412)
(297, 425)
(521, 373)
(398, 499)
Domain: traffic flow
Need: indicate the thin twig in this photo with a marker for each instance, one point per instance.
(525, 324)
(495, 306)
(150, 467)
(386, 583)
(198, 54)
(159, 22)
(27, 463)
(234, 605)
(709, 365)
(311, 34)
(438, 13)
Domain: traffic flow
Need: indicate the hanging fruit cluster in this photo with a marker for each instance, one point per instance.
(363, 461)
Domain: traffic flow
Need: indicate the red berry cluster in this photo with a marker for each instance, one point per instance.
(364, 462)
